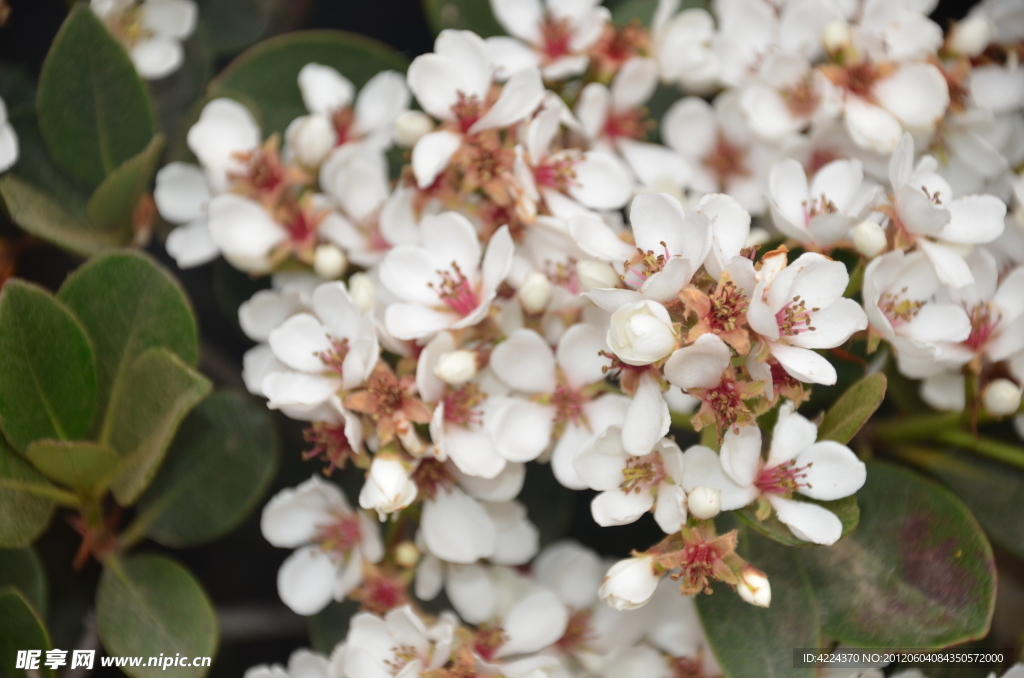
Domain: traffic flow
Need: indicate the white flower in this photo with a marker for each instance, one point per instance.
(682, 44)
(399, 645)
(444, 283)
(8, 140)
(972, 35)
(554, 36)
(899, 30)
(152, 31)
(801, 307)
(457, 528)
(389, 486)
(629, 485)
(302, 663)
(333, 541)
(642, 333)
(630, 583)
(786, 96)
(754, 588)
(822, 213)
(824, 470)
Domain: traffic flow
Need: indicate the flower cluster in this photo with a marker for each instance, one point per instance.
(545, 282)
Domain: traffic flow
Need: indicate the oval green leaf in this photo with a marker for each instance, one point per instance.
(918, 572)
(82, 466)
(47, 373)
(853, 409)
(128, 304)
(846, 509)
(219, 466)
(267, 74)
(94, 110)
(465, 15)
(22, 569)
(24, 504)
(147, 605)
(111, 205)
(148, 405)
(21, 629)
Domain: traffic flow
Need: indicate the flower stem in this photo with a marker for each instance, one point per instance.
(986, 447)
(925, 427)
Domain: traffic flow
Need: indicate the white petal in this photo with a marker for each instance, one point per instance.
(412, 321)
(225, 128)
(598, 240)
(655, 165)
(648, 419)
(690, 127)
(468, 52)
(592, 109)
(288, 388)
(699, 365)
(171, 18)
(702, 468)
(520, 97)
(601, 182)
(793, 434)
(8, 144)
(431, 154)
(634, 83)
(670, 508)
(872, 126)
(536, 621)
(600, 461)
(833, 471)
(949, 265)
(521, 429)
(974, 219)
(510, 55)
(435, 81)
(191, 244)
(615, 507)
(457, 529)
(157, 57)
(324, 90)
(472, 451)
(429, 577)
(294, 515)
(181, 192)
(297, 342)
(804, 364)
(244, 231)
(807, 521)
(267, 309)
(525, 362)
(471, 592)
(503, 487)
(380, 101)
(917, 94)
(578, 355)
(741, 454)
(521, 18)
(306, 579)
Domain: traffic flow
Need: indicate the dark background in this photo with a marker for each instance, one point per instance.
(239, 572)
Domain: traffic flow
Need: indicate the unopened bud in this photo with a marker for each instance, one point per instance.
(410, 126)
(836, 36)
(535, 293)
(971, 36)
(407, 555)
(704, 502)
(630, 583)
(311, 138)
(1002, 397)
(456, 367)
(869, 238)
(753, 587)
(362, 290)
(596, 275)
(329, 262)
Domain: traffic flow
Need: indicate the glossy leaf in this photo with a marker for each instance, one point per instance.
(112, 204)
(149, 403)
(22, 569)
(82, 466)
(233, 25)
(220, 465)
(24, 504)
(127, 304)
(147, 605)
(466, 15)
(20, 629)
(47, 373)
(94, 111)
(268, 73)
(846, 509)
(918, 572)
(853, 409)
(755, 642)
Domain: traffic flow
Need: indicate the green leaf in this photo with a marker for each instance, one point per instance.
(627, 11)
(853, 409)
(17, 86)
(755, 642)
(128, 304)
(147, 605)
(987, 487)
(94, 111)
(773, 528)
(22, 569)
(218, 468)
(82, 466)
(48, 372)
(918, 572)
(24, 504)
(268, 73)
(329, 626)
(233, 25)
(112, 204)
(148, 405)
(467, 15)
(20, 629)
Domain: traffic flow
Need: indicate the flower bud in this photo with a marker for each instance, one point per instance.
(596, 275)
(1002, 397)
(362, 290)
(410, 126)
(456, 367)
(630, 583)
(311, 138)
(388, 486)
(753, 587)
(641, 333)
(407, 555)
(971, 36)
(535, 293)
(329, 262)
(869, 238)
(704, 502)
(836, 36)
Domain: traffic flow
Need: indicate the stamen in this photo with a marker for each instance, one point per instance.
(784, 479)
(795, 318)
(456, 291)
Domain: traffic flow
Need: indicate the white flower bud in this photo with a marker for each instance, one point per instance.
(456, 367)
(753, 587)
(971, 36)
(407, 555)
(329, 262)
(641, 333)
(596, 275)
(1002, 397)
(310, 138)
(362, 290)
(630, 583)
(704, 502)
(836, 35)
(869, 238)
(535, 293)
(410, 126)
(388, 486)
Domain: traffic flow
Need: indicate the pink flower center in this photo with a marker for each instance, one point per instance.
(726, 161)
(467, 110)
(784, 479)
(643, 473)
(645, 265)
(631, 124)
(817, 206)
(568, 404)
(342, 120)
(557, 172)
(340, 536)
(460, 407)
(556, 35)
(334, 357)
(456, 291)
(795, 318)
(898, 310)
(984, 321)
